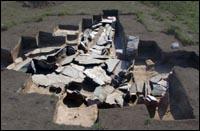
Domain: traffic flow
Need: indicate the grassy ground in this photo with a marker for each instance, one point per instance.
(177, 18)
(184, 19)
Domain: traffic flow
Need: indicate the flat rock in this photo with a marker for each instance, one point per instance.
(149, 62)
(156, 78)
(73, 73)
(147, 88)
(115, 97)
(151, 98)
(101, 92)
(96, 56)
(97, 47)
(22, 64)
(163, 83)
(43, 50)
(85, 93)
(40, 79)
(158, 90)
(86, 60)
(122, 65)
(107, 21)
(132, 47)
(133, 89)
(68, 59)
(18, 60)
(133, 42)
(102, 39)
(140, 86)
(98, 75)
(56, 79)
(59, 69)
(50, 79)
(125, 87)
(175, 45)
(111, 64)
(78, 67)
(95, 51)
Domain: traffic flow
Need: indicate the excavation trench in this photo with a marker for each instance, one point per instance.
(95, 65)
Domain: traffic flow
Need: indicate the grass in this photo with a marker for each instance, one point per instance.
(147, 121)
(39, 19)
(157, 16)
(171, 30)
(62, 13)
(8, 24)
(179, 34)
(3, 27)
(187, 11)
(140, 17)
(97, 126)
(184, 19)
(186, 40)
(180, 18)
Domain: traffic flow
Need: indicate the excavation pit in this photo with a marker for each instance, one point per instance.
(83, 74)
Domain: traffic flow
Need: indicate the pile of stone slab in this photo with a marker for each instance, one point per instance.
(149, 85)
(85, 72)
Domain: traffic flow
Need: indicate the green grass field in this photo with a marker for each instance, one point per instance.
(173, 17)
(184, 22)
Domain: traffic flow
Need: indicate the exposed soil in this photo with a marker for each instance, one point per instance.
(25, 111)
(31, 29)
(132, 117)
(191, 103)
